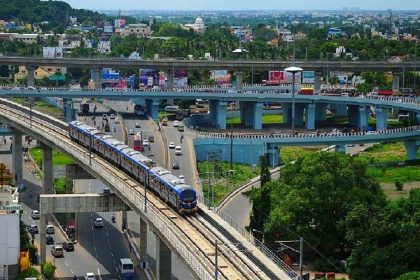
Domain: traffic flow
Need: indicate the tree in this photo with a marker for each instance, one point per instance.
(265, 176)
(388, 242)
(312, 199)
(48, 270)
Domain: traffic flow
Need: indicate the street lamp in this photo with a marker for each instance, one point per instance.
(258, 231)
(300, 251)
(293, 70)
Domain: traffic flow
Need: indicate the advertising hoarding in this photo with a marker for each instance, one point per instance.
(221, 76)
(119, 23)
(52, 52)
(283, 77)
(308, 77)
(108, 29)
(144, 75)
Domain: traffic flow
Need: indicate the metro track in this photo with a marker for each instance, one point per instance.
(199, 232)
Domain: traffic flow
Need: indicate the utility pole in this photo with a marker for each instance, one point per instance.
(215, 261)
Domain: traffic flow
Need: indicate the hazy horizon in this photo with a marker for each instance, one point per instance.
(220, 5)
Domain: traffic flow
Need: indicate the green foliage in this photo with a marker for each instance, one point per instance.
(60, 185)
(48, 270)
(398, 185)
(58, 158)
(31, 272)
(415, 275)
(312, 199)
(388, 241)
(265, 175)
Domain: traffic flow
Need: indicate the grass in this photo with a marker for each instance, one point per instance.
(42, 106)
(289, 154)
(220, 182)
(164, 115)
(385, 152)
(60, 185)
(58, 158)
(404, 174)
(266, 119)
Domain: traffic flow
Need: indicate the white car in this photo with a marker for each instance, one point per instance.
(99, 222)
(176, 123)
(89, 276)
(178, 151)
(131, 132)
(145, 142)
(117, 120)
(171, 145)
(35, 214)
(181, 179)
(50, 229)
(371, 132)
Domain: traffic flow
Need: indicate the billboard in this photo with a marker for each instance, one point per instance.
(283, 77)
(144, 75)
(108, 29)
(308, 77)
(119, 23)
(221, 76)
(180, 73)
(52, 52)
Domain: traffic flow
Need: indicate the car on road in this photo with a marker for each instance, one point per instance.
(131, 132)
(151, 138)
(371, 132)
(89, 276)
(50, 229)
(117, 120)
(175, 165)
(178, 151)
(49, 240)
(176, 123)
(35, 214)
(171, 145)
(181, 179)
(104, 116)
(57, 251)
(99, 222)
(68, 246)
(33, 229)
(137, 125)
(145, 142)
(112, 117)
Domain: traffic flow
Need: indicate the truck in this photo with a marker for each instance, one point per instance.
(306, 91)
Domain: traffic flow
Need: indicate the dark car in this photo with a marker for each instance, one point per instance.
(68, 246)
(175, 165)
(33, 229)
(49, 240)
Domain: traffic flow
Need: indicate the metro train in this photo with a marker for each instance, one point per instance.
(168, 186)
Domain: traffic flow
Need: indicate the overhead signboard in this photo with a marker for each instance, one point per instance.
(308, 77)
(283, 77)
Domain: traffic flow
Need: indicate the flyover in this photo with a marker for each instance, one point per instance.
(235, 65)
(191, 238)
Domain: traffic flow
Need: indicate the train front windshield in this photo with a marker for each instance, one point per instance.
(188, 195)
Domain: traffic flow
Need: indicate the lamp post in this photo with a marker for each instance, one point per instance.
(240, 51)
(262, 233)
(293, 70)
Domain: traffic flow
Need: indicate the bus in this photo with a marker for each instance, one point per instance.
(126, 268)
(137, 144)
(171, 108)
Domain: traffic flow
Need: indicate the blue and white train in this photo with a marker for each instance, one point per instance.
(168, 186)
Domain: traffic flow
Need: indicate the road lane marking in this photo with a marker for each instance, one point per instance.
(99, 274)
(71, 271)
(66, 263)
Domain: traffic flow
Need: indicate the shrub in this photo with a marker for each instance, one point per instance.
(398, 185)
(48, 270)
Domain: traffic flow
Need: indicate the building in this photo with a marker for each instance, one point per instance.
(198, 26)
(9, 232)
(40, 73)
(104, 46)
(138, 29)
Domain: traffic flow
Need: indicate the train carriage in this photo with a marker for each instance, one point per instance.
(99, 143)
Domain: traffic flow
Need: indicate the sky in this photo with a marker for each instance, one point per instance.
(243, 4)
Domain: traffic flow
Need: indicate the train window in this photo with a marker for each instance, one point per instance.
(187, 195)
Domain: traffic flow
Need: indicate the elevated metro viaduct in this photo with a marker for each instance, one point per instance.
(308, 109)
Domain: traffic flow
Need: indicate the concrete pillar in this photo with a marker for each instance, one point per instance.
(47, 169)
(152, 108)
(30, 78)
(69, 112)
(239, 79)
(273, 155)
(143, 243)
(340, 149)
(381, 118)
(353, 115)
(418, 118)
(170, 79)
(317, 84)
(213, 111)
(251, 114)
(17, 156)
(341, 110)
(321, 112)
(287, 113)
(220, 116)
(363, 117)
(97, 77)
(412, 147)
(396, 81)
(43, 245)
(163, 260)
(124, 219)
(299, 114)
(257, 115)
(310, 116)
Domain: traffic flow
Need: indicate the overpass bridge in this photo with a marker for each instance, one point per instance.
(193, 239)
(235, 65)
